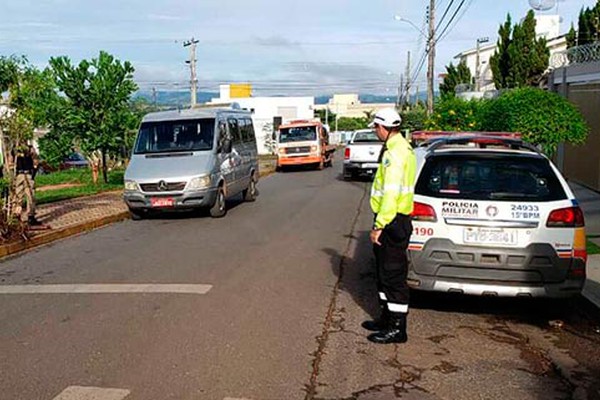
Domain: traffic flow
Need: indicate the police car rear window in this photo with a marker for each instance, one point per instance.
(489, 177)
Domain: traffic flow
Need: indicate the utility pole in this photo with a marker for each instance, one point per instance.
(154, 97)
(431, 58)
(478, 63)
(192, 61)
(407, 86)
(400, 98)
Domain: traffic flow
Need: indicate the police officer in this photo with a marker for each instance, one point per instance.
(392, 203)
(25, 168)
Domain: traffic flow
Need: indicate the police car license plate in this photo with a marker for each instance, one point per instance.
(490, 236)
(162, 202)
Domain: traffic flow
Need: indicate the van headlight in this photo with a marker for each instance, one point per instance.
(131, 186)
(200, 182)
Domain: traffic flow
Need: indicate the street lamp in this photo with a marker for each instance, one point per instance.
(408, 21)
(430, 51)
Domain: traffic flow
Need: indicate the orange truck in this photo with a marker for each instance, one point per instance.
(304, 142)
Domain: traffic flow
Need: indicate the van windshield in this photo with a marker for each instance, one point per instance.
(298, 134)
(175, 136)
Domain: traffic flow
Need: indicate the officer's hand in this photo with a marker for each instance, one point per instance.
(375, 235)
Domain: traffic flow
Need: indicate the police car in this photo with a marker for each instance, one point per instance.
(494, 216)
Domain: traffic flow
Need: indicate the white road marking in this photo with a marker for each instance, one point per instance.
(91, 393)
(104, 288)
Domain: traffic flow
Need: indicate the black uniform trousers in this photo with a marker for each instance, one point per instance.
(392, 265)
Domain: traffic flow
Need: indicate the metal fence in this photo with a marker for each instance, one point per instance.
(576, 55)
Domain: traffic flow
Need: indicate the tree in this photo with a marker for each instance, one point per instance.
(326, 116)
(97, 109)
(520, 59)
(30, 93)
(571, 37)
(544, 118)
(351, 124)
(500, 61)
(455, 76)
(588, 27)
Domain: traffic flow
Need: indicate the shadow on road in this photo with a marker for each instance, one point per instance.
(356, 273)
(167, 214)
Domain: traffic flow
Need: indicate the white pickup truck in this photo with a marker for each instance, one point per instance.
(361, 154)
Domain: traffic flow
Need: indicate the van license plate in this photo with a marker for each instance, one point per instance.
(490, 236)
(162, 202)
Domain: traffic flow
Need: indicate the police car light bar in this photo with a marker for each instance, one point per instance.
(423, 136)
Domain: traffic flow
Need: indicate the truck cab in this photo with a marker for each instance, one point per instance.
(303, 142)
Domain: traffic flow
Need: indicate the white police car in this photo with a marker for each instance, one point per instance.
(494, 216)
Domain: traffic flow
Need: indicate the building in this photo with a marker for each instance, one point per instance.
(547, 26)
(267, 112)
(349, 106)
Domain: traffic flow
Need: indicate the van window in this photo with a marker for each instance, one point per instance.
(247, 130)
(497, 177)
(174, 136)
(234, 130)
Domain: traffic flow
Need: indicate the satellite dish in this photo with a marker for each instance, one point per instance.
(542, 5)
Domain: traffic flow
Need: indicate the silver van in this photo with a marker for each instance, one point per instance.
(193, 158)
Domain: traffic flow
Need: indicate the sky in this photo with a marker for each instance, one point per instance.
(309, 47)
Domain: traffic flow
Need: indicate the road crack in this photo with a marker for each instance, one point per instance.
(328, 324)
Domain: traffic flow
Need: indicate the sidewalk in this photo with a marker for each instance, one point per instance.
(589, 201)
(70, 217)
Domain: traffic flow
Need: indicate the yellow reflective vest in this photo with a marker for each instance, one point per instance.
(394, 185)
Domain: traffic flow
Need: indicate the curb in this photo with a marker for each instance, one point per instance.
(591, 290)
(45, 238)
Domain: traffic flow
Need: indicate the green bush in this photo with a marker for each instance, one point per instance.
(414, 119)
(543, 118)
(455, 114)
(351, 124)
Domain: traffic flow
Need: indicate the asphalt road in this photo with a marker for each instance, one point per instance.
(278, 290)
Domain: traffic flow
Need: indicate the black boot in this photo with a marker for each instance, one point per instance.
(394, 333)
(377, 324)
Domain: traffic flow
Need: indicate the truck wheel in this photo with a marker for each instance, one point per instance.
(250, 192)
(219, 209)
(347, 176)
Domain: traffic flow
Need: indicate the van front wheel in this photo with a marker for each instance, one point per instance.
(250, 192)
(219, 209)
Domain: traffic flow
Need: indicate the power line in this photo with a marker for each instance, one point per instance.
(444, 15)
(447, 31)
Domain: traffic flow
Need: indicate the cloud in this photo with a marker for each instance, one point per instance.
(164, 17)
(276, 41)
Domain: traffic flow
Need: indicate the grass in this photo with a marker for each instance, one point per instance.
(592, 248)
(80, 176)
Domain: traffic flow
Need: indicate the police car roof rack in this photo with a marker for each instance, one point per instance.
(482, 141)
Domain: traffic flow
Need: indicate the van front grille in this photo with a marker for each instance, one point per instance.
(296, 150)
(162, 186)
